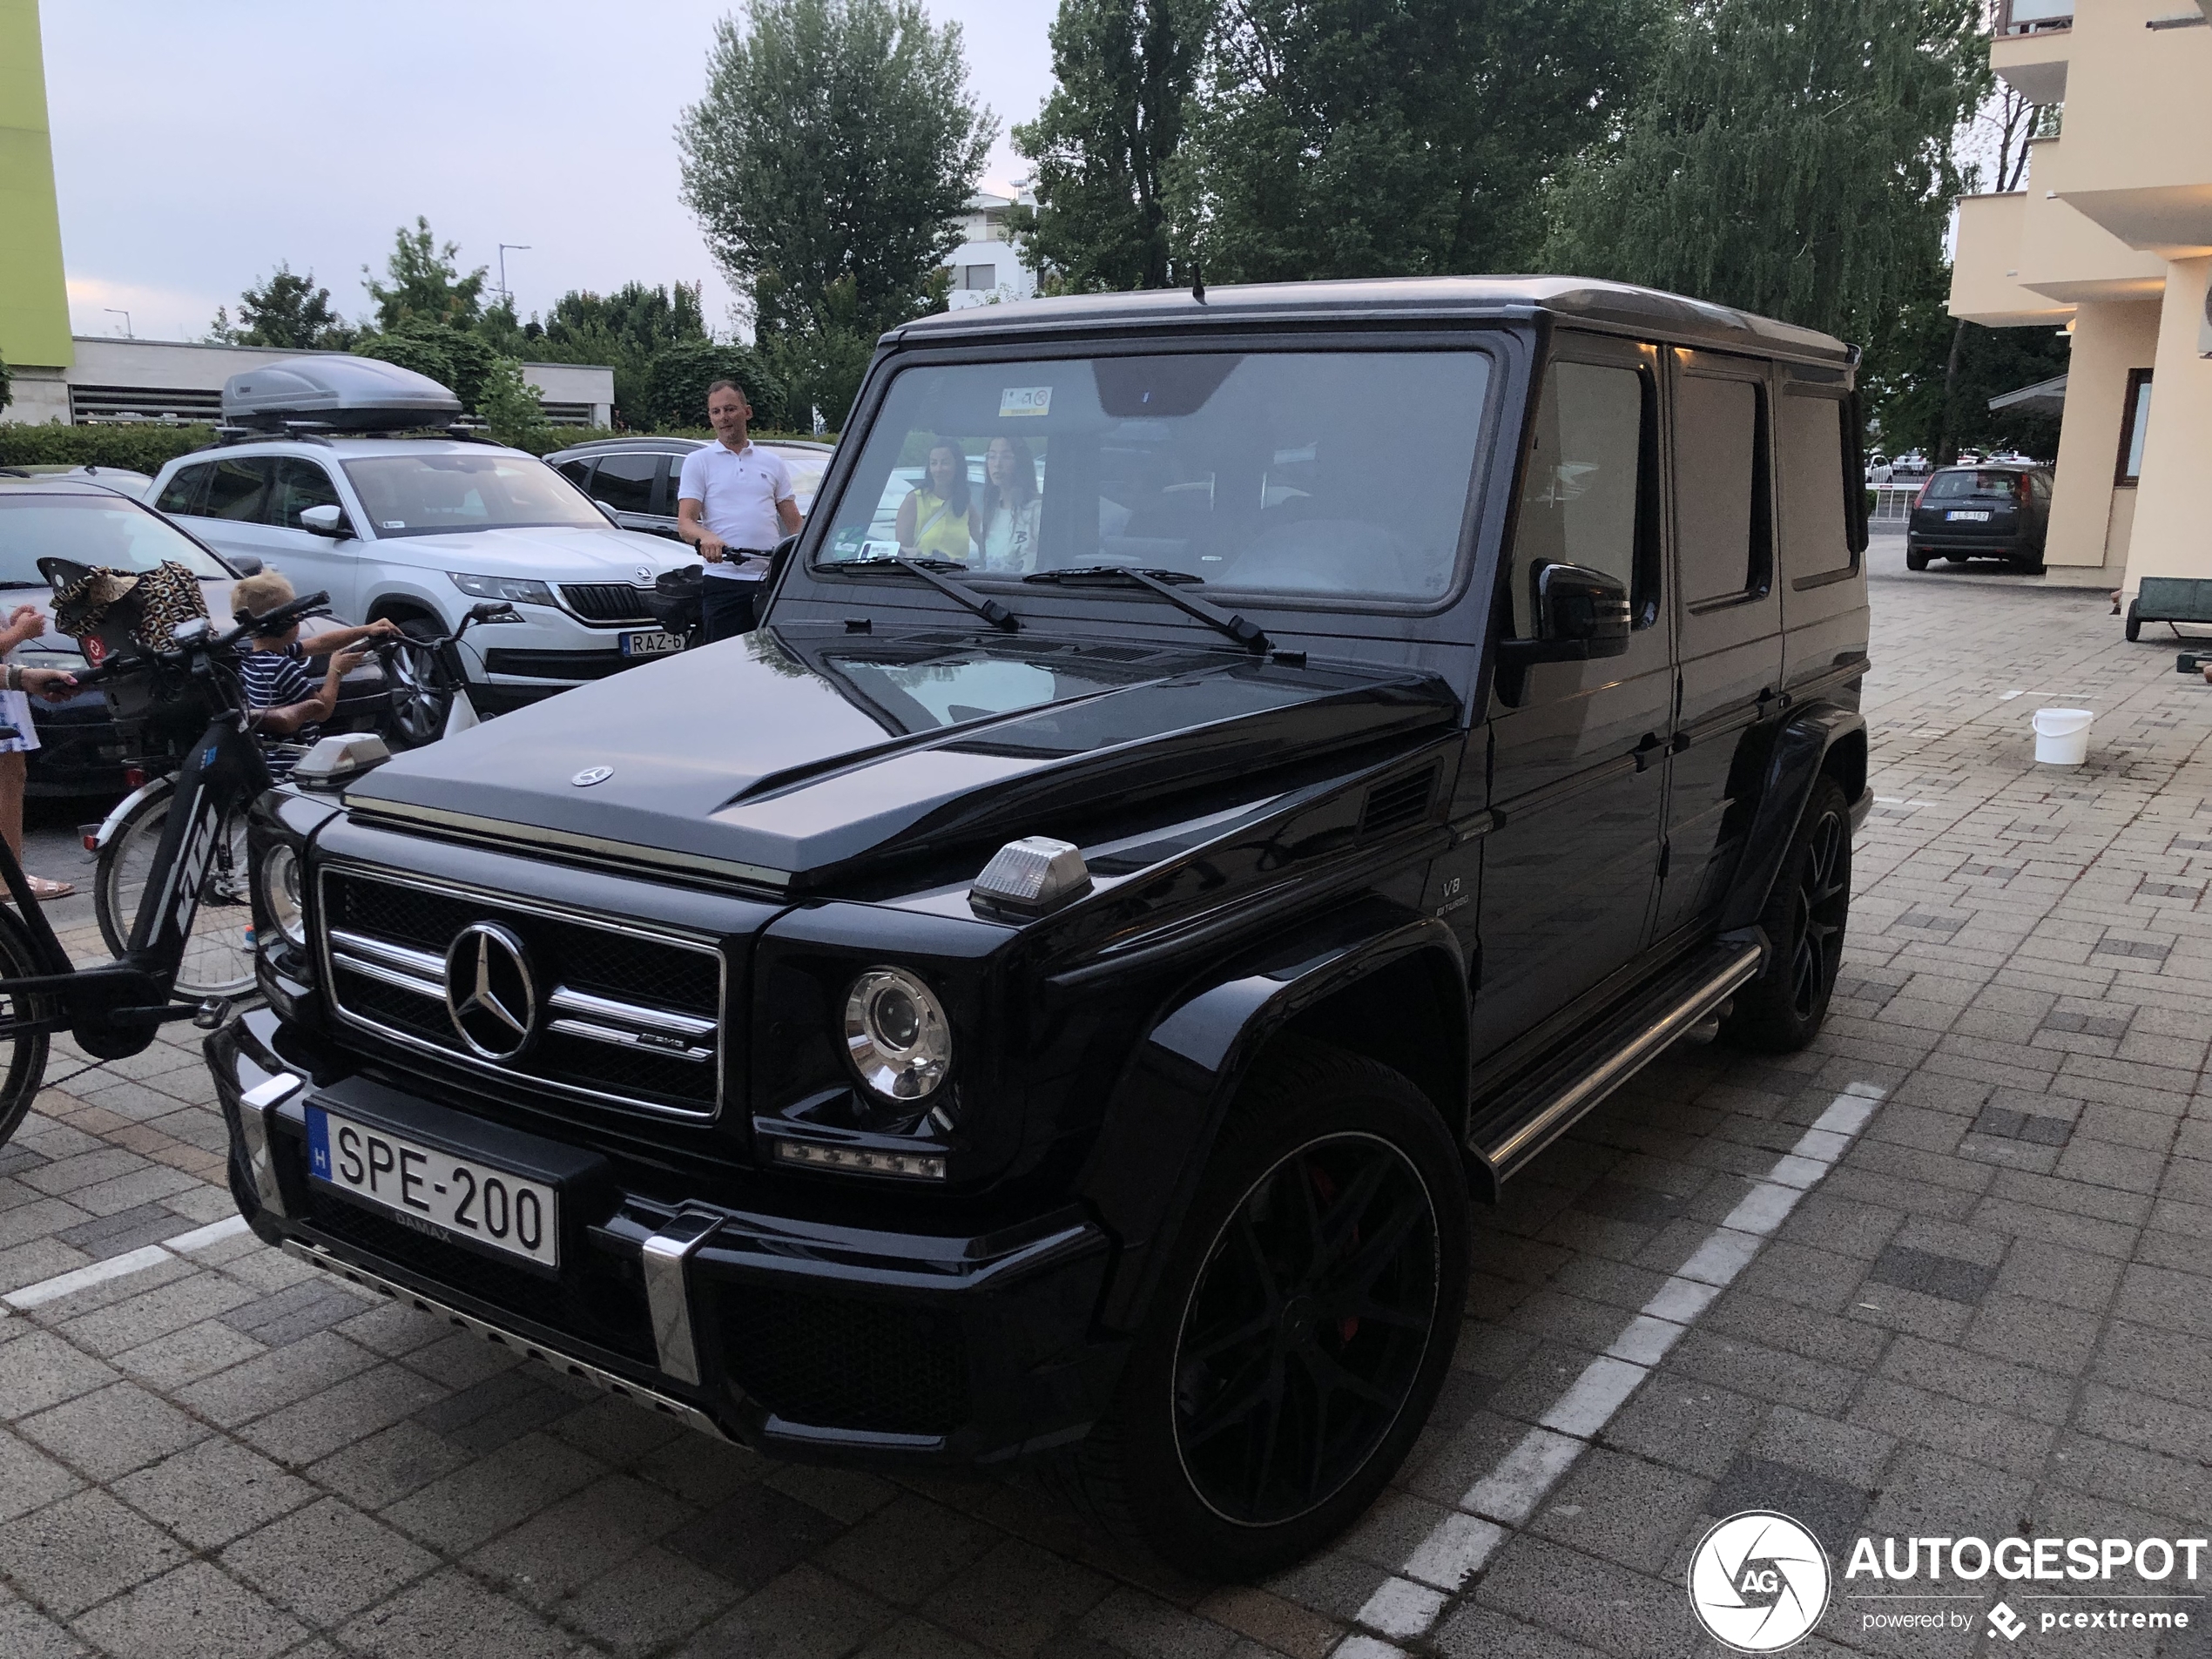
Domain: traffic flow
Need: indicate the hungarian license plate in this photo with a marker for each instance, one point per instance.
(657, 644)
(1957, 514)
(435, 1192)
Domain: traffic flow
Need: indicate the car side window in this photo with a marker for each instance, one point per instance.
(1582, 495)
(2040, 484)
(1721, 489)
(239, 488)
(184, 492)
(1814, 434)
(626, 481)
(299, 485)
(578, 473)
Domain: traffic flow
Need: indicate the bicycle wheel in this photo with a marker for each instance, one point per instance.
(23, 1054)
(218, 957)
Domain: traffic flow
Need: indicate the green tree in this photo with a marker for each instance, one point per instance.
(1930, 387)
(837, 141)
(287, 311)
(510, 407)
(624, 330)
(1790, 157)
(677, 376)
(423, 283)
(456, 358)
(1350, 138)
(1105, 142)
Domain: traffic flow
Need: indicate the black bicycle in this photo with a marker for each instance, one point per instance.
(114, 1009)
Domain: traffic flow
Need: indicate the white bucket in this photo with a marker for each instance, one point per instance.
(2062, 737)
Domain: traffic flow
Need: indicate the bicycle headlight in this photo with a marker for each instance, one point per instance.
(280, 880)
(897, 1035)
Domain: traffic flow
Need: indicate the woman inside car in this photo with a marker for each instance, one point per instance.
(1004, 522)
(933, 520)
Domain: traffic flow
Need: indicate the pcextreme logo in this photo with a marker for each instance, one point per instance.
(1759, 1581)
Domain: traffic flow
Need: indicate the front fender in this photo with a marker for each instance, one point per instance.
(1801, 752)
(1174, 1094)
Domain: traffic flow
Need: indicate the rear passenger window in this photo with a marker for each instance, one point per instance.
(183, 494)
(578, 473)
(239, 489)
(1721, 508)
(1580, 497)
(626, 483)
(1816, 511)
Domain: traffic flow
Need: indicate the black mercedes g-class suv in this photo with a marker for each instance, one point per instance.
(1057, 985)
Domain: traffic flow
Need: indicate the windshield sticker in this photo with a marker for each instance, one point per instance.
(849, 540)
(395, 524)
(1018, 400)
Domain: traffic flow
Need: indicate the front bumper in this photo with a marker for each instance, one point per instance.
(797, 1338)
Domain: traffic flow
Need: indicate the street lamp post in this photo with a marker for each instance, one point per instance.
(117, 311)
(506, 292)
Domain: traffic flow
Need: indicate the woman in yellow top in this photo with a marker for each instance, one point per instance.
(933, 520)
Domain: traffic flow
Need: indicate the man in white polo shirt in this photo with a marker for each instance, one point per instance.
(733, 500)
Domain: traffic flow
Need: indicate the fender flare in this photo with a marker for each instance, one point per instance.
(123, 809)
(1174, 1094)
(1800, 754)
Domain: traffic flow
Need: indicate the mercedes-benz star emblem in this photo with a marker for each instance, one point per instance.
(491, 995)
(644, 573)
(591, 775)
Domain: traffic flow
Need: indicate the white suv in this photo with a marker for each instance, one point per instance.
(422, 529)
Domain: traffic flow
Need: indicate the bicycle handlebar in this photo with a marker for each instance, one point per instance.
(273, 621)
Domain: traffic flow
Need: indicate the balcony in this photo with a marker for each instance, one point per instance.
(2033, 44)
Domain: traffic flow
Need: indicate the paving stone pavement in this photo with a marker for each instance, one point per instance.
(1991, 1314)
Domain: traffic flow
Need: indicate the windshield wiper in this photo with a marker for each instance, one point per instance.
(1238, 628)
(931, 570)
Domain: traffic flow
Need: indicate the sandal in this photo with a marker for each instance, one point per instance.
(41, 889)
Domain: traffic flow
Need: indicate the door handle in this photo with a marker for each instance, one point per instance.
(1649, 750)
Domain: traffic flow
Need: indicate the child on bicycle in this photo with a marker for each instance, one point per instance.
(284, 696)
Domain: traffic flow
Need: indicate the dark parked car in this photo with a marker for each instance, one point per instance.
(1990, 511)
(1069, 1012)
(634, 478)
(73, 517)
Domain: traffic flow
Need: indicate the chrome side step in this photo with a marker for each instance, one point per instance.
(652, 1399)
(1539, 1107)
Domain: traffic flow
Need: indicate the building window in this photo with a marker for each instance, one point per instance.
(2134, 424)
(979, 276)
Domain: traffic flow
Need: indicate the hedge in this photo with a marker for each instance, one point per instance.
(146, 448)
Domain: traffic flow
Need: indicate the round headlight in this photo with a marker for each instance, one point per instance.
(280, 893)
(897, 1035)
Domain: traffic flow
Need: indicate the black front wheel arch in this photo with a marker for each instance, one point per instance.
(1303, 1324)
(1806, 912)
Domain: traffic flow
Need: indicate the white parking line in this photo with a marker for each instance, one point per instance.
(135, 1261)
(1407, 1604)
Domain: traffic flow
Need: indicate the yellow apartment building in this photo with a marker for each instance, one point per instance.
(2111, 238)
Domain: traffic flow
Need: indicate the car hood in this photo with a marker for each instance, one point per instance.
(791, 763)
(551, 553)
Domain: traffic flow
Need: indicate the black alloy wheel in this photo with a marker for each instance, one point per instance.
(419, 704)
(1805, 918)
(1302, 1327)
(1304, 1335)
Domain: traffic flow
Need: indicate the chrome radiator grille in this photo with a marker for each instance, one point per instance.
(622, 1014)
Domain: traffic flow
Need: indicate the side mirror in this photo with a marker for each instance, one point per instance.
(1576, 604)
(330, 519)
(245, 563)
(613, 517)
(1579, 614)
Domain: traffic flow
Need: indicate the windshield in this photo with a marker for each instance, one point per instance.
(428, 494)
(91, 529)
(1342, 474)
(807, 467)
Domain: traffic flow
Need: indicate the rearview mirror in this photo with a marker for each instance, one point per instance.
(328, 519)
(245, 563)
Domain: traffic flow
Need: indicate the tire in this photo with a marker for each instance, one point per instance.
(1251, 1318)
(218, 957)
(22, 1054)
(2134, 623)
(1781, 1011)
(2029, 564)
(1915, 560)
(416, 713)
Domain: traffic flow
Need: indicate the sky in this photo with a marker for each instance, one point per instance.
(197, 145)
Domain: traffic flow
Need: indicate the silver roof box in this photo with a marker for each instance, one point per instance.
(335, 392)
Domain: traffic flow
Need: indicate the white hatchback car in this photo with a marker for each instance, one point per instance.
(423, 528)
